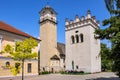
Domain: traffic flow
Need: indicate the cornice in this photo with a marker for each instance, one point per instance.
(47, 20)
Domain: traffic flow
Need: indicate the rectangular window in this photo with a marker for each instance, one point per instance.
(77, 67)
(15, 45)
(0, 43)
(16, 40)
(29, 68)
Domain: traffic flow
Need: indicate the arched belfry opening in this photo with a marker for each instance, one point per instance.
(81, 37)
(72, 39)
(77, 38)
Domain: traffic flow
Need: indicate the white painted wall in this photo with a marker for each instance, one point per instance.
(86, 54)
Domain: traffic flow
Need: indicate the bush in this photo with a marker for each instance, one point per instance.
(73, 72)
(45, 72)
(81, 72)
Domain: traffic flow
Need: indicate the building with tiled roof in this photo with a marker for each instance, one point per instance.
(9, 35)
(8, 28)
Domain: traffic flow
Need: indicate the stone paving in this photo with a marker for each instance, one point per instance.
(97, 76)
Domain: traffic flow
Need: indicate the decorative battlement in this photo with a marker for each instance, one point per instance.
(84, 20)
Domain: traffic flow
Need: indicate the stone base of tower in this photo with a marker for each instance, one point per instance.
(84, 70)
(88, 66)
(52, 69)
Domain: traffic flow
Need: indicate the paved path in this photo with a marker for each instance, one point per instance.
(97, 76)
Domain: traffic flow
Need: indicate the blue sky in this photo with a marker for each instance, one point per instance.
(24, 14)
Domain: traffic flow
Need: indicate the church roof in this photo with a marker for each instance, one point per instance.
(47, 7)
(61, 49)
(8, 28)
(55, 57)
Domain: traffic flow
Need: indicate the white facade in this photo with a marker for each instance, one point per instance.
(82, 49)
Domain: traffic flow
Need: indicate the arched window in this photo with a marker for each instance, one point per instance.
(77, 67)
(77, 39)
(52, 13)
(73, 40)
(81, 37)
(73, 65)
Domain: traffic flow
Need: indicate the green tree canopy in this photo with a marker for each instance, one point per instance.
(105, 58)
(22, 51)
(112, 33)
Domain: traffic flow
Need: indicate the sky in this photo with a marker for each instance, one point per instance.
(24, 14)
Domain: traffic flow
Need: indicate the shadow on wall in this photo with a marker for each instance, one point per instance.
(102, 78)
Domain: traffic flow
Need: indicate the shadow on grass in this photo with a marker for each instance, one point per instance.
(102, 78)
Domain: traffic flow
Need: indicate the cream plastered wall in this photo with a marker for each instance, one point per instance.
(10, 38)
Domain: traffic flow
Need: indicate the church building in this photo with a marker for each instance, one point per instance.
(82, 49)
(81, 52)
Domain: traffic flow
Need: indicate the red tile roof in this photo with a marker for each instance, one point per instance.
(8, 28)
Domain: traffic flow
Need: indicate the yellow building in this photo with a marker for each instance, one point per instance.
(9, 35)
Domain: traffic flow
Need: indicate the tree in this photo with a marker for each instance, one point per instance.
(113, 6)
(21, 52)
(112, 33)
(105, 58)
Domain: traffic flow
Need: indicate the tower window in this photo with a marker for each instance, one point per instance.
(73, 40)
(73, 65)
(77, 67)
(51, 18)
(77, 39)
(81, 37)
(43, 69)
(51, 12)
(76, 31)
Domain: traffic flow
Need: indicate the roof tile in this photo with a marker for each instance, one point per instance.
(8, 28)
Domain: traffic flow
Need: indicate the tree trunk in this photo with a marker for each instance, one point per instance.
(38, 62)
(23, 69)
(39, 58)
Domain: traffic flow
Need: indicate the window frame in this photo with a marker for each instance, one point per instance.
(77, 39)
(72, 39)
(81, 38)
(0, 43)
(29, 68)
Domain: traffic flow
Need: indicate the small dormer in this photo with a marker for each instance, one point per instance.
(48, 14)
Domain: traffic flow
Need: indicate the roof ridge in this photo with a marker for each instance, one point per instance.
(6, 27)
(13, 27)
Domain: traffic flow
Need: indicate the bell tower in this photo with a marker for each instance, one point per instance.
(82, 48)
(48, 35)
